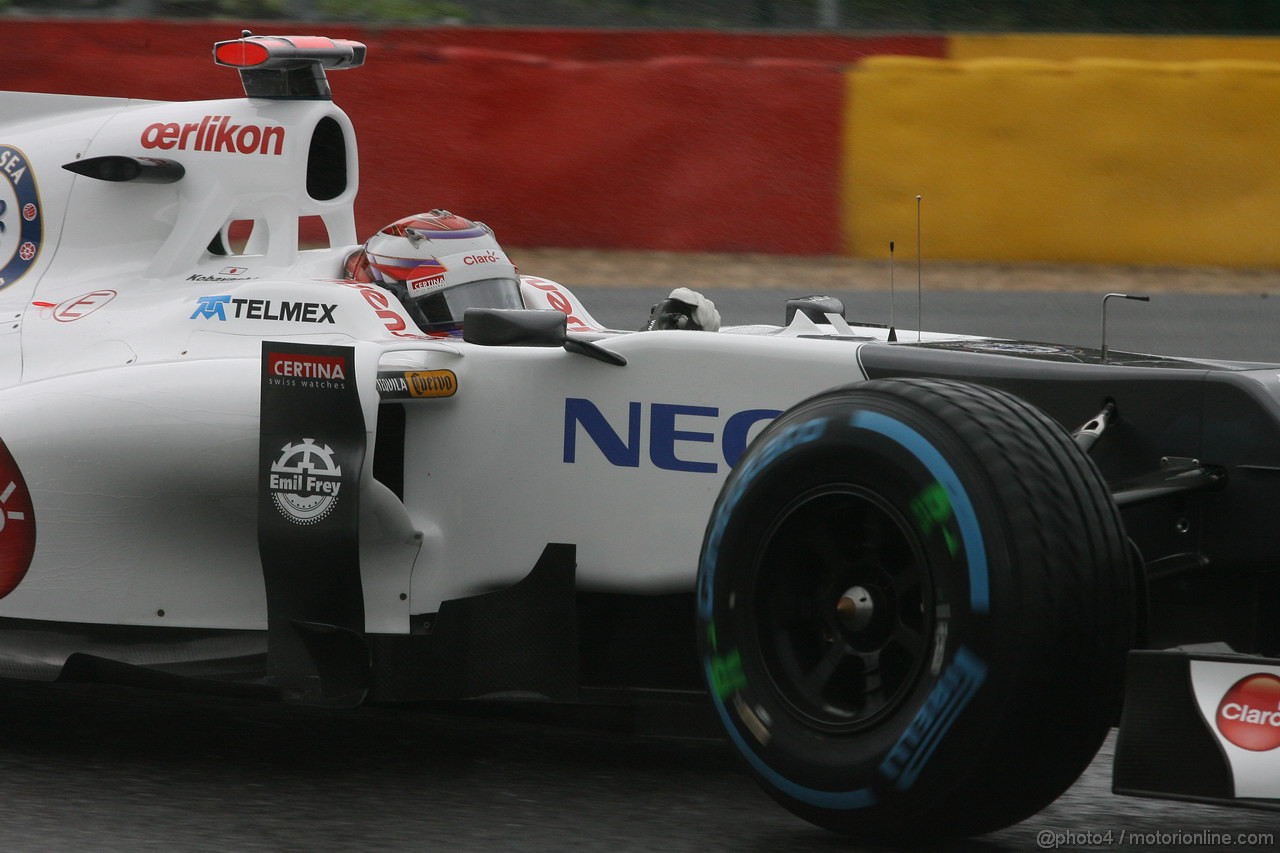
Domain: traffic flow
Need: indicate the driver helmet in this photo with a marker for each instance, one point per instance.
(438, 264)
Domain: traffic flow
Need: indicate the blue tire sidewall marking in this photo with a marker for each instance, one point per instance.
(951, 694)
(856, 799)
(975, 556)
(784, 440)
(918, 446)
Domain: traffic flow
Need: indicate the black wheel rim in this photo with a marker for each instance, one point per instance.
(844, 603)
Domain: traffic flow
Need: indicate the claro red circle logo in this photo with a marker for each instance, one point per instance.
(1249, 714)
(17, 524)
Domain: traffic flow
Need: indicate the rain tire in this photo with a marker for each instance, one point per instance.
(915, 600)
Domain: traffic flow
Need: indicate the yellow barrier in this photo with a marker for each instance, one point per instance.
(1082, 46)
(1107, 161)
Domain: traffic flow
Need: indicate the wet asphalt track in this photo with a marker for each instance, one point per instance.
(96, 769)
(113, 770)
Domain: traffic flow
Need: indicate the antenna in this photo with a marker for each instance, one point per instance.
(1104, 316)
(893, 331)
(919, 277)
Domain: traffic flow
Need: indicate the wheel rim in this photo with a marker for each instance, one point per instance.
(844, 605)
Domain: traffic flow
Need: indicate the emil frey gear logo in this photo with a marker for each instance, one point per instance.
(1249, 713)
(305, 481)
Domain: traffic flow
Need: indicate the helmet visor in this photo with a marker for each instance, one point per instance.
(444, 308)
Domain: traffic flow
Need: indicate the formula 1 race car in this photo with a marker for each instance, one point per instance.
(919, 576)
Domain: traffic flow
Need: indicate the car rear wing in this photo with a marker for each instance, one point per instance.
(287, 67)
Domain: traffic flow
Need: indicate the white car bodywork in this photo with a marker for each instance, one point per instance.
(131, 358)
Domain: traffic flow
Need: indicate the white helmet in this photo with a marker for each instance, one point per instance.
(439, 265)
